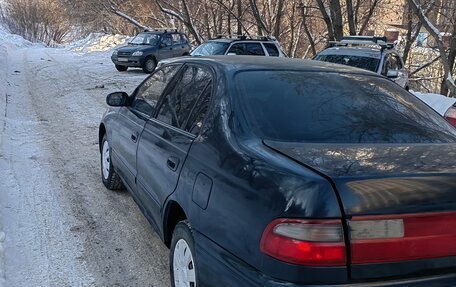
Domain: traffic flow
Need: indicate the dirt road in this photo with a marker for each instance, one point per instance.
(59, 226)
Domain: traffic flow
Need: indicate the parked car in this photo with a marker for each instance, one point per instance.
(370, 53)
(240, 45)
(263, 171)
(149, 47)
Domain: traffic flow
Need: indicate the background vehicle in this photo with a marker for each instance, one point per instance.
(262, 171)
(370, 53)
(149, 47)
(240, 45)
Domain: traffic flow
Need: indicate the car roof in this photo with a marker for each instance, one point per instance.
(353, 51)
(237, 63)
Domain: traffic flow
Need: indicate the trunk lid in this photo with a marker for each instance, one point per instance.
(384, 180)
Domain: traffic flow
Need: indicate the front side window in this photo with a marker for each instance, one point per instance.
(167, 40)
(313, 107)
(179, 103)
(149, 92)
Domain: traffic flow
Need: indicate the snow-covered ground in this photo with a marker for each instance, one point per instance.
(59, 226)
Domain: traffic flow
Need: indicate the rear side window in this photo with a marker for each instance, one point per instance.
(199, 112)
(249, 49)
(272, 49)
(151, 89)
(178, 104)
(336, 108)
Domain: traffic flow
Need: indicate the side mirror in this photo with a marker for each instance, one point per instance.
(117, 99)
(163, 45)
(392, 74)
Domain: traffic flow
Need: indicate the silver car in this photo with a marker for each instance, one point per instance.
(369, 53)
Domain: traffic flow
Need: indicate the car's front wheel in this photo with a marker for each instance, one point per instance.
(183, 267)
(121, 68)
(149, 65)
(109, 176)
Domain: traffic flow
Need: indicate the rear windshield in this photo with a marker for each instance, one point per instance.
(366, 63)
(211, 48)
(336, 108)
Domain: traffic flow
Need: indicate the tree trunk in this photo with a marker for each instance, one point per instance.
(350, 17)
(327, 19)
(336, 16)
(449, 82)
(278, 18)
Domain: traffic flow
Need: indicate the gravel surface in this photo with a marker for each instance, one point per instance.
(59, 226)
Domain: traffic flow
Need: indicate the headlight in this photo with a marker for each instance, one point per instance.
(137, 53)
(114, 53)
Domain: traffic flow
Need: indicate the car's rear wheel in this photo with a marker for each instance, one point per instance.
(108, 175)
(183, 267)
(121, 68)
(149, 65)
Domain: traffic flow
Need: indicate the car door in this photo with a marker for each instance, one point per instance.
(165, 50)
(178, 46)
(129, 126)
(166, 139)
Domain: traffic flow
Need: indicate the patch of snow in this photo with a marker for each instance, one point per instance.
(7, 38)
(2, 252)
(98, 42)
(438, 102)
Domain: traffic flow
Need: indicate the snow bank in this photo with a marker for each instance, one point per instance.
(7, 38)
(98, 42)
(438, 102)
(2, 253)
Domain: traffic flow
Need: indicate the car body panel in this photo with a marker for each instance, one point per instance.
(124, 55)
(255, 181)
(375, 53)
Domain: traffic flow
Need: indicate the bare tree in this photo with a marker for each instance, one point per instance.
(449, 84)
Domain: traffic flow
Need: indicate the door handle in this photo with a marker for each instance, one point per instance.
(134, 137)
(172, 163)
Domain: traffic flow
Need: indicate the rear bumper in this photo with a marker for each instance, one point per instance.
(217, 267)
(129, 61)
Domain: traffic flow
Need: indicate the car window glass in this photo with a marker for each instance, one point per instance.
(272, 49)
(199, 112)
(178, 103)
(367, 63)
(251, 49)
(150, 91)
(166, 40)
(386, 65)
(176, 39)
(335, 108)
(398, 61)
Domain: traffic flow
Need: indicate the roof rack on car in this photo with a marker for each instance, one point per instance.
(165, 30)
(245, 37)
(363, 40)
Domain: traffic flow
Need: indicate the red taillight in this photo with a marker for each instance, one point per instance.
(305, 242)
(450, 115)
(376, 239)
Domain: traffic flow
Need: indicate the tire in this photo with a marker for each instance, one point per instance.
(109, 176)
(121, 68)
(149, 65)
(184, 272)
